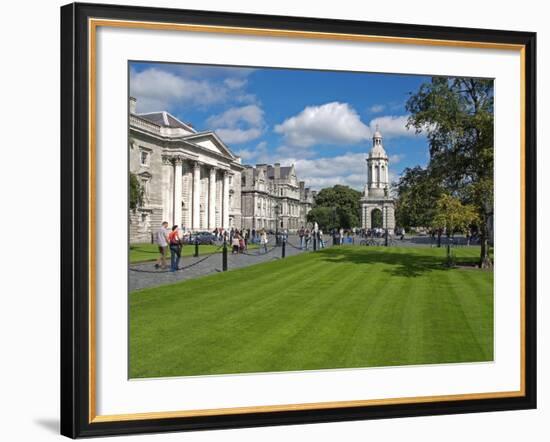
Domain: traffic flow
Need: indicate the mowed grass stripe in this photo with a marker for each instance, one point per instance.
(381, 334)
(316, 331)
(478, 308)
(340, 307)
(212, 323)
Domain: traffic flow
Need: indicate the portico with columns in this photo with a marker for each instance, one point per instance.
(189, 178)
(376, 194)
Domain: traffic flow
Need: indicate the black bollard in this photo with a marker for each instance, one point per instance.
(196, 248)
(224, 256)
(283, 249)
(386, 238)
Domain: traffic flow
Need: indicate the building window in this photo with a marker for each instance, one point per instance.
(145, 187)
(144, 158)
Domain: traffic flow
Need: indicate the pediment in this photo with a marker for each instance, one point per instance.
(210, 141)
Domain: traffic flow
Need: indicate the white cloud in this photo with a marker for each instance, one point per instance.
(396, 158)
(158, 89)
(331, 123)
(377, 108)
(238, 136)
(235, 83)
(239, 124)
(251, 114)
(348, 169)
(260, 154)
(392, 126)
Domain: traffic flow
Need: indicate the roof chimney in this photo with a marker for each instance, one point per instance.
(277, 171)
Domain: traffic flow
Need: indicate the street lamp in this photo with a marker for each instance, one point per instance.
(276, 224)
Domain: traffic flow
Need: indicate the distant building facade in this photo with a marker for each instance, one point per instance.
(188, 178)
(273, 198)
(376, 195)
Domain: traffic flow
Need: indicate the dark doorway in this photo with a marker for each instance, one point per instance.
(376, 219)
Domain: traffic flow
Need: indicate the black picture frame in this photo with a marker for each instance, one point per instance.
(75, 221)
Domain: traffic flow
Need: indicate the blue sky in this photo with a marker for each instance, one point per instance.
(320, 121)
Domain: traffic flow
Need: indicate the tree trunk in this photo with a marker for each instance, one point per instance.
(484, 259)
(449, 261)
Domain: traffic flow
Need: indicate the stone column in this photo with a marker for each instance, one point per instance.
(369, 224)
(167, 189)
(196, 196)
(212, 199)
(178, 188)
(225, 199)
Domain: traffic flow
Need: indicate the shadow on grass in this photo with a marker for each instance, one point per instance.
(403, 263)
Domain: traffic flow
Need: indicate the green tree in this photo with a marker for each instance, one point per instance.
(344, 204)
(136, 192)
(417, 192)
(324, 216)
(457, 116)
(453, 216)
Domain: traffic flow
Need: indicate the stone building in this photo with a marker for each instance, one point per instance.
(376, 196)
(189, 178)
(273, 198)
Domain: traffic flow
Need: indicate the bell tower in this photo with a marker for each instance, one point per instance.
(377, 189)
(377, 168)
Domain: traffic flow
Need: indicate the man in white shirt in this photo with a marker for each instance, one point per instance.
(161, 238)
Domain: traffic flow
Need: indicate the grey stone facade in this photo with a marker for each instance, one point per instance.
(376, 195)
(273, 198)
(189, 178)
(192, 179)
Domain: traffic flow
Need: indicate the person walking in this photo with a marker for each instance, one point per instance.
(161, 238)
(301, 234)
(235, 244)
(307, 238)
(175, 248)
(320, 238)
(264, 240)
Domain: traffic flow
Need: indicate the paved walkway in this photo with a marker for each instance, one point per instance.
(145, 275)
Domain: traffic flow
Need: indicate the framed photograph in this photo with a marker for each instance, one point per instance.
(274, 220)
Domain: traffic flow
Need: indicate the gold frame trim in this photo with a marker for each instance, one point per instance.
(93, 24)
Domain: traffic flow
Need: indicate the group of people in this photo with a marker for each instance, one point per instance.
(174, 238)
(307, 236)
(239, 239)
(169, 239)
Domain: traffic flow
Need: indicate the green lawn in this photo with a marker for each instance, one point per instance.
(339, 307)
(150, 252)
